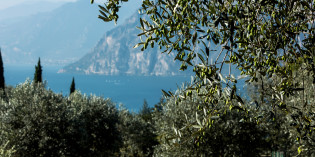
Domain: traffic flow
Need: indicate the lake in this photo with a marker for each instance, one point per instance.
(128, 90)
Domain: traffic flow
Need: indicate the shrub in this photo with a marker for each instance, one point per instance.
(37, 122)
(93, 126)
(138, 134)
(5, 151)
(179, 129)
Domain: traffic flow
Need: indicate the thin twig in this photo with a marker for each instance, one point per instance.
(218, 56)
(223, 61)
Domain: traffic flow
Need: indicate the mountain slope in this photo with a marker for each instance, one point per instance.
(58, 37)
(114, 55)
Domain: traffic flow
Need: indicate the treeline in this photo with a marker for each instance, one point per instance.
(35, 121)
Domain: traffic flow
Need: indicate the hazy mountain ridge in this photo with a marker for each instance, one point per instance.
(114, 55)
(59, 37)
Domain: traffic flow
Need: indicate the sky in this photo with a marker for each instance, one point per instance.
(9, 3)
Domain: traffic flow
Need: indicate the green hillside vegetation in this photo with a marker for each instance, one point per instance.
(35, 121)
(38, 122)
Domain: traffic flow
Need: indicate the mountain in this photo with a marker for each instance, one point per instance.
(59, 37)
(114, 55)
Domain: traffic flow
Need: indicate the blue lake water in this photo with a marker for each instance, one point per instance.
(128, 90)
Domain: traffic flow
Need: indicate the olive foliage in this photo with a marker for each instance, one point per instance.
(262, 38)
(229, 133)
(35, 121)
(298, 124)
(138, 133)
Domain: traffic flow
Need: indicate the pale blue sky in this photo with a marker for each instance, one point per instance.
(9, 3)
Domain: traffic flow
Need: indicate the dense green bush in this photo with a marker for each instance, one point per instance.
(93, 126)
(293, 135)
(37, 122)
(179, 128)
(5, 151)
(137, 133)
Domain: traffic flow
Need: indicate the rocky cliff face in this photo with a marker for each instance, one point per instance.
(114, 55)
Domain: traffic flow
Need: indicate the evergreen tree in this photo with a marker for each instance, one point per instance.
(38, 73)
(72, 87)
(145, 112)
(2, 83)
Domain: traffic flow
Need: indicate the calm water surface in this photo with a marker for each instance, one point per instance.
(128, 90)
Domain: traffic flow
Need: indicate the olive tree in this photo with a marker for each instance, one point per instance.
(261, 38)
(35, 121)
(300, 115)
(137, 133)
(229, 133)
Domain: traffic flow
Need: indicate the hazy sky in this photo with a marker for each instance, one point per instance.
(9, 3)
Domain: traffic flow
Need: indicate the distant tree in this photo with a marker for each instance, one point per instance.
(38, 73)
(159, 106)
(72, 87)
(137, 135)
(145, 111)
(2, 83)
